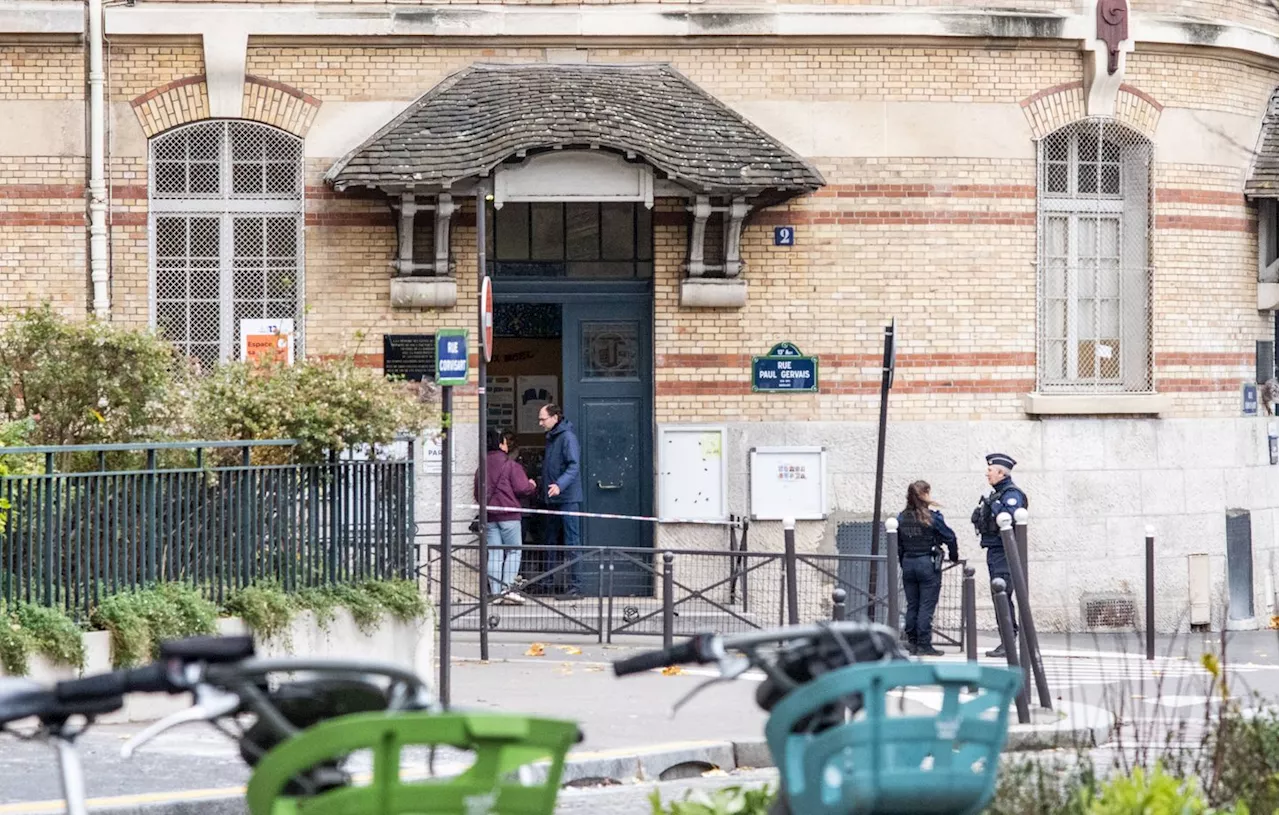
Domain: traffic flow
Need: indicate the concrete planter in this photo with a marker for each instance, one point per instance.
(409, 644)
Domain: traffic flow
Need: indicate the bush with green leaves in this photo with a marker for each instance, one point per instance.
(27, 629)
(1143, 792)
(140, 620)
(326, 404)
(83, 381)
(269, 610)
(733, 800)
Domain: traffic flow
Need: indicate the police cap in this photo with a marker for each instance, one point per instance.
(1001, 460)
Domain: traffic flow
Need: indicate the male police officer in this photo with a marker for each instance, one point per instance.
(1004, 497)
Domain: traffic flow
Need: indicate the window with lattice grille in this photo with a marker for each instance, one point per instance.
(226, 226)
(1094, 280)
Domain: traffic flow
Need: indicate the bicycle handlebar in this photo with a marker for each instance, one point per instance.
(149, 679)
(709, 647)
(694, 650)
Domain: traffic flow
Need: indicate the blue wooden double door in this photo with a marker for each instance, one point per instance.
(607, 393)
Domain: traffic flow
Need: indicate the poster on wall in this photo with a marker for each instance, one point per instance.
(532, 392)
(502, 402)
(264, 341)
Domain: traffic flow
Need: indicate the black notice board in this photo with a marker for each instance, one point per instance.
(412, 356)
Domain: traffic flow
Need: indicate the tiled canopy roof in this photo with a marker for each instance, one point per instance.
(1262, 181)
(484, 114)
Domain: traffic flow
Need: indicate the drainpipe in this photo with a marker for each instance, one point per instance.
(97, 167)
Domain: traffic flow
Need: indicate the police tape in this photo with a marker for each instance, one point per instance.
(607, 516)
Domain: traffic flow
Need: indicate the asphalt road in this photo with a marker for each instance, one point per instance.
(572, 680)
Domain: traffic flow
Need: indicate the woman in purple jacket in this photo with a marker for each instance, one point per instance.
(507, 483)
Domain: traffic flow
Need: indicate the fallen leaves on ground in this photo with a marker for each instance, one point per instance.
(571, 650)
(564, 668)
(672, 670)
(1275, 622)
(595, 669)
(714, 771)
(537, 649)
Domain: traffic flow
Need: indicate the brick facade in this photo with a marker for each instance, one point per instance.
(875, 242)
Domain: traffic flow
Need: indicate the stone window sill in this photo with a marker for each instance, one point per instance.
(1137, 404)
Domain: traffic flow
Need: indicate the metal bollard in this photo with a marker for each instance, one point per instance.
(789, 564)
(1151, 593)
(668, 599)
(1001, 600)
(891, 570)
(969, 610)
(837, 604)
(1020, 517)
(1028, 628)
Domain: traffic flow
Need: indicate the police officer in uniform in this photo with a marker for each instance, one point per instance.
(1004, 497)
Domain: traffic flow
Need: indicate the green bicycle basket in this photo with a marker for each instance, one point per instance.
(501, 743)
(940, 763)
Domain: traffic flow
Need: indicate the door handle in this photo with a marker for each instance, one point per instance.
(604, 486)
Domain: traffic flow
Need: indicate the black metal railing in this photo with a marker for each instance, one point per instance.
(622, 590)
(214, 522)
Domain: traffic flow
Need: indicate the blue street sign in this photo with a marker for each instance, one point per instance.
(784, 236)
(451, 356)
(1249, 398)
(784, 369)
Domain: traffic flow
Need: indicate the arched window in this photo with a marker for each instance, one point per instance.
(226, 227)
(1094, 282)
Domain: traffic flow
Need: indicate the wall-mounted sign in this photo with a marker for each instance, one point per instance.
(451, 356)
(1249, 398)
(788, 482)
(412, 356)
(784, 236)
(264, 341)
(784, 369)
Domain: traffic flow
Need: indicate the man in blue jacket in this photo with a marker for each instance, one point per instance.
(562, 490)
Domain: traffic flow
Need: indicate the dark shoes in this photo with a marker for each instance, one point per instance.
(928, 651)
(997, 652)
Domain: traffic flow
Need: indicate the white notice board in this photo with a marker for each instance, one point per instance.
(788, 482)
(693, 482)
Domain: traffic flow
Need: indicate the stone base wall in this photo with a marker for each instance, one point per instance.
(1093, 484)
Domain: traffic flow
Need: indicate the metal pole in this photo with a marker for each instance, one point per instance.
(789, 566)
(1151, 593)
(446, 538)
(1028, 627)
(1020, 517)
(891, 570)
(668, 599)
(837, 604)
(969, 610)
(1005, 625)
(886, 379)
(483, 423)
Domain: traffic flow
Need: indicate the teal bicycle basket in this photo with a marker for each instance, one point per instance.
(941, 763)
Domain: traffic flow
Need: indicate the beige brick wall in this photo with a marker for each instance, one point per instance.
(44, 71)
(1206, 83)
(945, 245)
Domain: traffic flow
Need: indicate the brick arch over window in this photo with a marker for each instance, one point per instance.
(1054, 108)
(1094, 183)
(186, 100)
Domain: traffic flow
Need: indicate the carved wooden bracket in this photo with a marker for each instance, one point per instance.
(1113, 29)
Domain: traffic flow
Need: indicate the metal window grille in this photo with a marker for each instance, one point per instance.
(1093, 271)
(226, 234)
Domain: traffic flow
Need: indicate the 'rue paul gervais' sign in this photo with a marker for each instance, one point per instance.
(784, 369)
